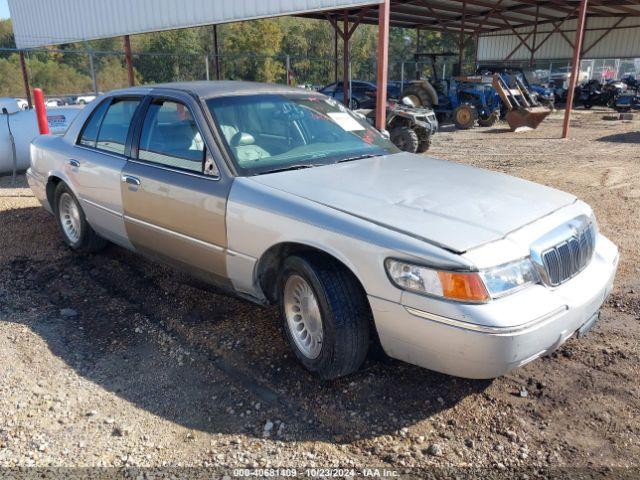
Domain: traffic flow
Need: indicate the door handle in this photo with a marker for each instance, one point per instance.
(74, 163)
(131, 180)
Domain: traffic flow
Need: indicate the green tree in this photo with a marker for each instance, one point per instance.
(6, 34)
(182, 56)
(250, 50)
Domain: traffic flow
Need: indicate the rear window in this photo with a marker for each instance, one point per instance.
(112, 133)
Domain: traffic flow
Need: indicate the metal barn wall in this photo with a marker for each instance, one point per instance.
(622, 42)
(46, 22)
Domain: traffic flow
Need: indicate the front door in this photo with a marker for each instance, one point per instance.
(174, 198)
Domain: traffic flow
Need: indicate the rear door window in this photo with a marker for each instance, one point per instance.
(90, 130)
(112, 135)
(170, 137)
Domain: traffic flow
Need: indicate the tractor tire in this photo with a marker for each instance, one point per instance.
(419, 95)
(405, 139)
(489, 120)
(464, 117)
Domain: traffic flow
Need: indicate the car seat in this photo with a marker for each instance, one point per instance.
(245, 149)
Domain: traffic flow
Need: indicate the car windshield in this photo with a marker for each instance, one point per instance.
(268, 133)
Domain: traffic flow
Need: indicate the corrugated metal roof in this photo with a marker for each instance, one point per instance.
(623, 41)
(482, 16)
(46, 22)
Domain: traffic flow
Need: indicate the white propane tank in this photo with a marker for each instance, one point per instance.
(24, 127)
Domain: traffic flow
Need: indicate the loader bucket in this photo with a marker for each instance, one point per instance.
(526, 118)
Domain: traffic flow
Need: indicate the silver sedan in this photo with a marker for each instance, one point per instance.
(283, 196)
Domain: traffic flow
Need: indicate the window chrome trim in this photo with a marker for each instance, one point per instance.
(212, 246)
(486, 329)
(176, 170)
(172, 97)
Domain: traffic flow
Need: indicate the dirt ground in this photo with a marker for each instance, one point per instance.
(111, 360)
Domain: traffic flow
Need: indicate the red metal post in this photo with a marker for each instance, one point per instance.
(383, 64)
(461, 42)
(532, 59)
(41, 111)
(25, 79)
(345, 59)
(128, 59)
(575, 69)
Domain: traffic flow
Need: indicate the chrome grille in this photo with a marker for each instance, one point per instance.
(568, 258)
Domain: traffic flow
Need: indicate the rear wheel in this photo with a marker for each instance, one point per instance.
(464, 117)
(325, 314)
(418, 95)
(405, 139)
(76, 231)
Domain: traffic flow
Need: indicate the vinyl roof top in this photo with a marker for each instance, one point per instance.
(217, 88)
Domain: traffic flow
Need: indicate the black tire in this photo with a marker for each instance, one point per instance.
(465, 116)
(405, 139)
(587, 106)
(88, 240)
(489, 120)
(354, 104)
(419, 95)
(424, 145)
(345, 314)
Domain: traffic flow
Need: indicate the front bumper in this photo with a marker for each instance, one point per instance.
(489, 340)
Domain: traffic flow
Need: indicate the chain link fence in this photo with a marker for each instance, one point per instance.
(66, 74)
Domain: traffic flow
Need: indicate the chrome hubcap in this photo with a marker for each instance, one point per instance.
(69, 217)
(303, 316)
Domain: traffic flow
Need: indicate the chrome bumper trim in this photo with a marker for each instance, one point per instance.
(486, 329)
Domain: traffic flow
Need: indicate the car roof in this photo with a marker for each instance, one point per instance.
(214, 88)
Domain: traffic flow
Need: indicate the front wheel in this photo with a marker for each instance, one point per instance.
(326, 315)
(465, 116)
(76, 231)
(405, 138)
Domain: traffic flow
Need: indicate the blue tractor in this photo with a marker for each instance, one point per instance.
(463, 101)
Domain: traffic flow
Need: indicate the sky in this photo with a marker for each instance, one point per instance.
(4, 9)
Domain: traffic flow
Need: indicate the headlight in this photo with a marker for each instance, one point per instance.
(504, 279)
(474, 287)
(464, 287)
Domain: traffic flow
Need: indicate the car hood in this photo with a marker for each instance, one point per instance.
(448, 204)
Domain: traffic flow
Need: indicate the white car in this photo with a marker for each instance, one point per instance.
(22, 103)
(53, 102)
(284, 196)
(84, 99)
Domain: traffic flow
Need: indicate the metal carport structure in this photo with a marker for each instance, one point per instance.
(530, 24)
(39, 22)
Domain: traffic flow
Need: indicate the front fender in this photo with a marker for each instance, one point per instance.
(259, 217)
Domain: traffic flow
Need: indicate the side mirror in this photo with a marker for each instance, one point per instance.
(210, 167)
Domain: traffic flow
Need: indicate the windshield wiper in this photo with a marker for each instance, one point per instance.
(292, 167)
(359, 157)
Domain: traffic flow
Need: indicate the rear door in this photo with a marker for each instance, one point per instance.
(96, 162)
(173, 194)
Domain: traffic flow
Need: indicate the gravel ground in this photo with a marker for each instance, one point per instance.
(111, 360)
